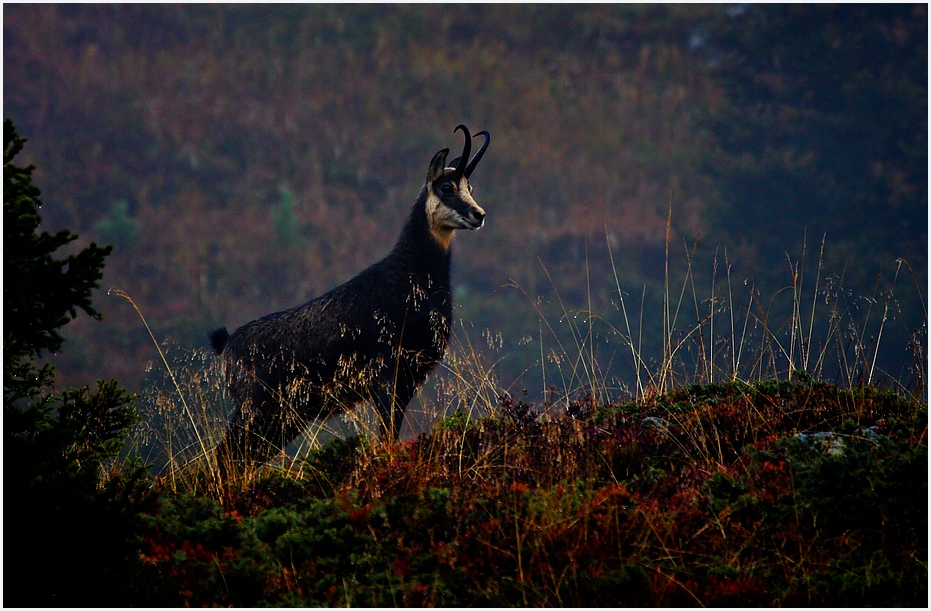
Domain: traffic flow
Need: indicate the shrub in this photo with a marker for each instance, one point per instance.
(77, 514)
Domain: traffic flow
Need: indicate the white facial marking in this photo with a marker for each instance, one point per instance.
(444, 220)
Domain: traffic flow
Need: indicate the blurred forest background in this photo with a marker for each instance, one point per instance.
(244, 159)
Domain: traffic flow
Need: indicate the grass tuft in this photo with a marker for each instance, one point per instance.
(751, 460)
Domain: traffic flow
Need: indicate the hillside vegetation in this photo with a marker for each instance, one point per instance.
(704, 496)
(766, 493)
(626, 416)
(234, 155)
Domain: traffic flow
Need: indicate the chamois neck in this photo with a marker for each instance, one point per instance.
(418, 249)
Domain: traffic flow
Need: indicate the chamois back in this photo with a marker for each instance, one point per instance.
(372, 339)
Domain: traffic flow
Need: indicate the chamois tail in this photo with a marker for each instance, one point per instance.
(218, 339)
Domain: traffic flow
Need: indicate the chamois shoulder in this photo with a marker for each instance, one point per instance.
(374, 338)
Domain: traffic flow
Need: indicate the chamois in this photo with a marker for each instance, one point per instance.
(374, 338)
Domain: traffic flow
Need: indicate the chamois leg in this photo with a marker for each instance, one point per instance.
(262, 426)
(239, 444)
(391, 399)
(246, 442)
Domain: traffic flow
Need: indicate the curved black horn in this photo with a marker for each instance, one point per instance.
(478, 155)
(461, 167)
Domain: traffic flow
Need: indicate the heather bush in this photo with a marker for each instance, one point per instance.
(729, 494)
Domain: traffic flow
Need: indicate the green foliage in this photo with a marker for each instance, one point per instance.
(80, 515)
(40, 293)
(865, 506)
(723, 505)
(285, 220)
(457, 421)
(196, 554)
(87, 430)
(118, 227)
(873, 485)
(703, 495)
(327, 467)
(597, 506)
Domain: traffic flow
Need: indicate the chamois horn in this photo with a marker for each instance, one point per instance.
(478, 155)
(466, 149)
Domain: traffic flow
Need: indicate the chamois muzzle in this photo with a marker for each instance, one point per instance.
(476, 217)
(345, 347)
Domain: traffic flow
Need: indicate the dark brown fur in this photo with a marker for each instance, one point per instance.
(374, 338)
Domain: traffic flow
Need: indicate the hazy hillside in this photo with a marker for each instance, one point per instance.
(690, 360)
(243, 159)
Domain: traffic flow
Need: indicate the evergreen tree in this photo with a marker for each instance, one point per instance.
(76, 529)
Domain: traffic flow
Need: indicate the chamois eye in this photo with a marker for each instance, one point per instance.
(339, 349)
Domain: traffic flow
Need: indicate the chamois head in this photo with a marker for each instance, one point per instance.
(449, 195)
(374, 338)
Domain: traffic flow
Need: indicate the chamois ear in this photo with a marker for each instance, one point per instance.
(437, 165)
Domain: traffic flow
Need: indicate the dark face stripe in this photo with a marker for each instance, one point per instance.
(453, 199)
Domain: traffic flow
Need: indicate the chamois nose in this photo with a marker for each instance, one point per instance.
(477, 216)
